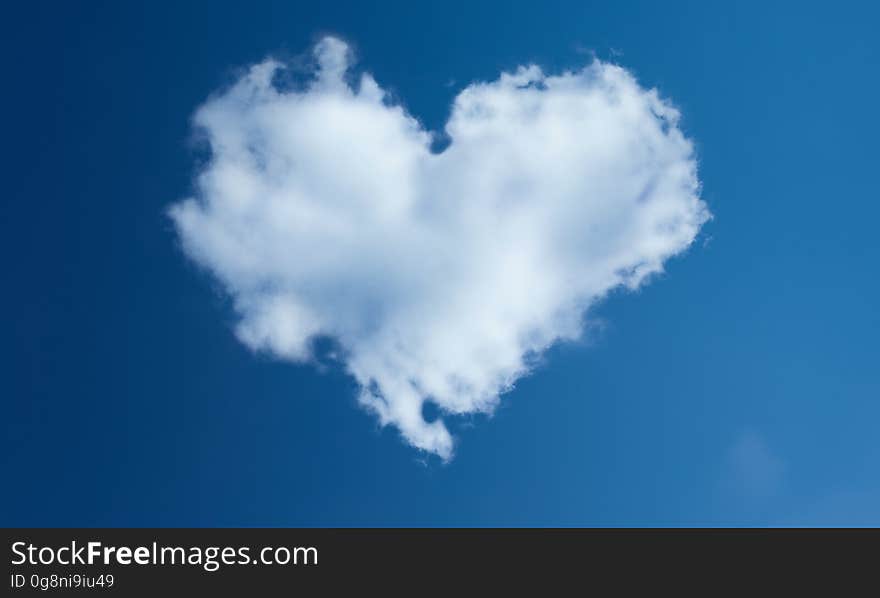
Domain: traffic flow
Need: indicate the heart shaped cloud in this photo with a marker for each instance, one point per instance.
(324, 212)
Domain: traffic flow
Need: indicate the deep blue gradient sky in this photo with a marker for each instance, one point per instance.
(741, 388)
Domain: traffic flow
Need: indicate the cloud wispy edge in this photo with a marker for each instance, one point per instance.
(324, 212)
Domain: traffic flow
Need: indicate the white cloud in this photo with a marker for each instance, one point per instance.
(323, 211)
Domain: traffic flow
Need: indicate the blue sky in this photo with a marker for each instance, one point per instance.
(739, 388)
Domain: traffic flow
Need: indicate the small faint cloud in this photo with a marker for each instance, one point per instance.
(753, 470)
(585, 50)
